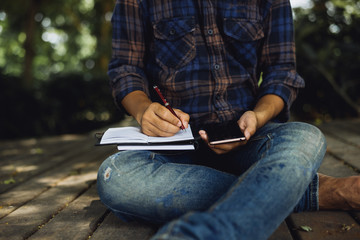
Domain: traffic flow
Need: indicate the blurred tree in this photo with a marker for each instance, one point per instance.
(41, 38)
(328, 56)
(43, 43)
(53, 63)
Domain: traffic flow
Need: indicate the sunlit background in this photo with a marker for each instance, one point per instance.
(54, 56)
(301, 3)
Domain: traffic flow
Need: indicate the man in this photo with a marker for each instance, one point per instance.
(207, 57)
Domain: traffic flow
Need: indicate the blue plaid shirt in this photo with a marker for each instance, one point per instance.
(206, 56)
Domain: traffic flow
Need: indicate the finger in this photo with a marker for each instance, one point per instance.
(153, 125)
(249, 130)
(166, 115)
(220, 148)
(247, 134)
(225, 148)
(154, 130)
(163, 128)
(204, 136)
(242, 124)
(184, 117)
(247, 124)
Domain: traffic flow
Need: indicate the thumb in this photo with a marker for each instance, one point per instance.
(247, 134)
(204, 136)
(184, 117)
(248, 126)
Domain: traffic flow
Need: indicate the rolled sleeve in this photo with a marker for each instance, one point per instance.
(285, 85)
(278, 58)
(126, 79)
(126, 68)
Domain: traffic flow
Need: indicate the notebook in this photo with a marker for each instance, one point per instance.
(131, 138)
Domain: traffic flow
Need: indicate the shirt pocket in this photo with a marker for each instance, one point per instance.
(243, 40)
(175, 41)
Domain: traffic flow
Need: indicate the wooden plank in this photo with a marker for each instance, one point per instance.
(347, 132)
(114, 228)
(30, 143)
(350, 128)
(329, 225)
(281, 233)
(29, 190)
(16, 154)
(77, 221)
(35, 149)
(40, 163)
(356, 216)
(336, 168)
(349, 153)
(27, 219)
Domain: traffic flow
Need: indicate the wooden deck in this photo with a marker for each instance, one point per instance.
(48, 191)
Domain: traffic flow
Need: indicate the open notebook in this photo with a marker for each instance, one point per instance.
(131, 138)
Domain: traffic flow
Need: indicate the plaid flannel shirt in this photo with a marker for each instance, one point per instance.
(205, 55)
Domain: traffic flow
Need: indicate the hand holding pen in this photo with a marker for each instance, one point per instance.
(167, 105)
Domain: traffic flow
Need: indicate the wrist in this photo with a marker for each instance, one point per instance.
(141, 109)
(261, 118)
(136, 104)
(267, 108)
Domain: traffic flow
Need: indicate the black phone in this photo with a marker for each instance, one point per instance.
(224, 133)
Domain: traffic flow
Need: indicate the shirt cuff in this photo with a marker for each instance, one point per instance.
(288, 95)
(126, 79)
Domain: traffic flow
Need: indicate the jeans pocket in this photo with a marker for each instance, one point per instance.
(175, 41)
(264, 143)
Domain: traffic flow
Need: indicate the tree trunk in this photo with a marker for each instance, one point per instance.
(29, 44)
(104, 42)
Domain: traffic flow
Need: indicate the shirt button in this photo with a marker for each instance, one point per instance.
(172, 31)
(210, 32)
(216, 66)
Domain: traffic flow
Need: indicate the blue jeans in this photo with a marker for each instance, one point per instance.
(244, 194)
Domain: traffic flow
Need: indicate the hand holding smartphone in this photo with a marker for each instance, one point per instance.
(224, 133)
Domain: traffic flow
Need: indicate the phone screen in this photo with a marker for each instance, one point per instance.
(224, 133)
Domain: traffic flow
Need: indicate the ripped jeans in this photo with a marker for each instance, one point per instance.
(244, 194)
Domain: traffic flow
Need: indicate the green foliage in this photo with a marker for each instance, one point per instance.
(67, 35)
(54, 56)
(328, 55)
(53, 61)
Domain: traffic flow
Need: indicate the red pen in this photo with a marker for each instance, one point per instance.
(167, 105)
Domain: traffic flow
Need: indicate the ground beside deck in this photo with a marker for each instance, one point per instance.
(48, 191)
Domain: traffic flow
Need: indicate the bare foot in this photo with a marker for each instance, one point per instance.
(339, 193)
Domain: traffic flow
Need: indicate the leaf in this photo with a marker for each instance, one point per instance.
(347, 227)
(9, 181)
(306, 228)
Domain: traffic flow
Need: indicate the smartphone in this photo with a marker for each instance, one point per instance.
(224, 133)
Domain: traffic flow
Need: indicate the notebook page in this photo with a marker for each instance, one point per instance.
(134, 135)
(181, 135)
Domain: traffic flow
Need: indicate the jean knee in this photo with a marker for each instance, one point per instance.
(115, 178)
(311, 143)
(314, 137)
(104, 175)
